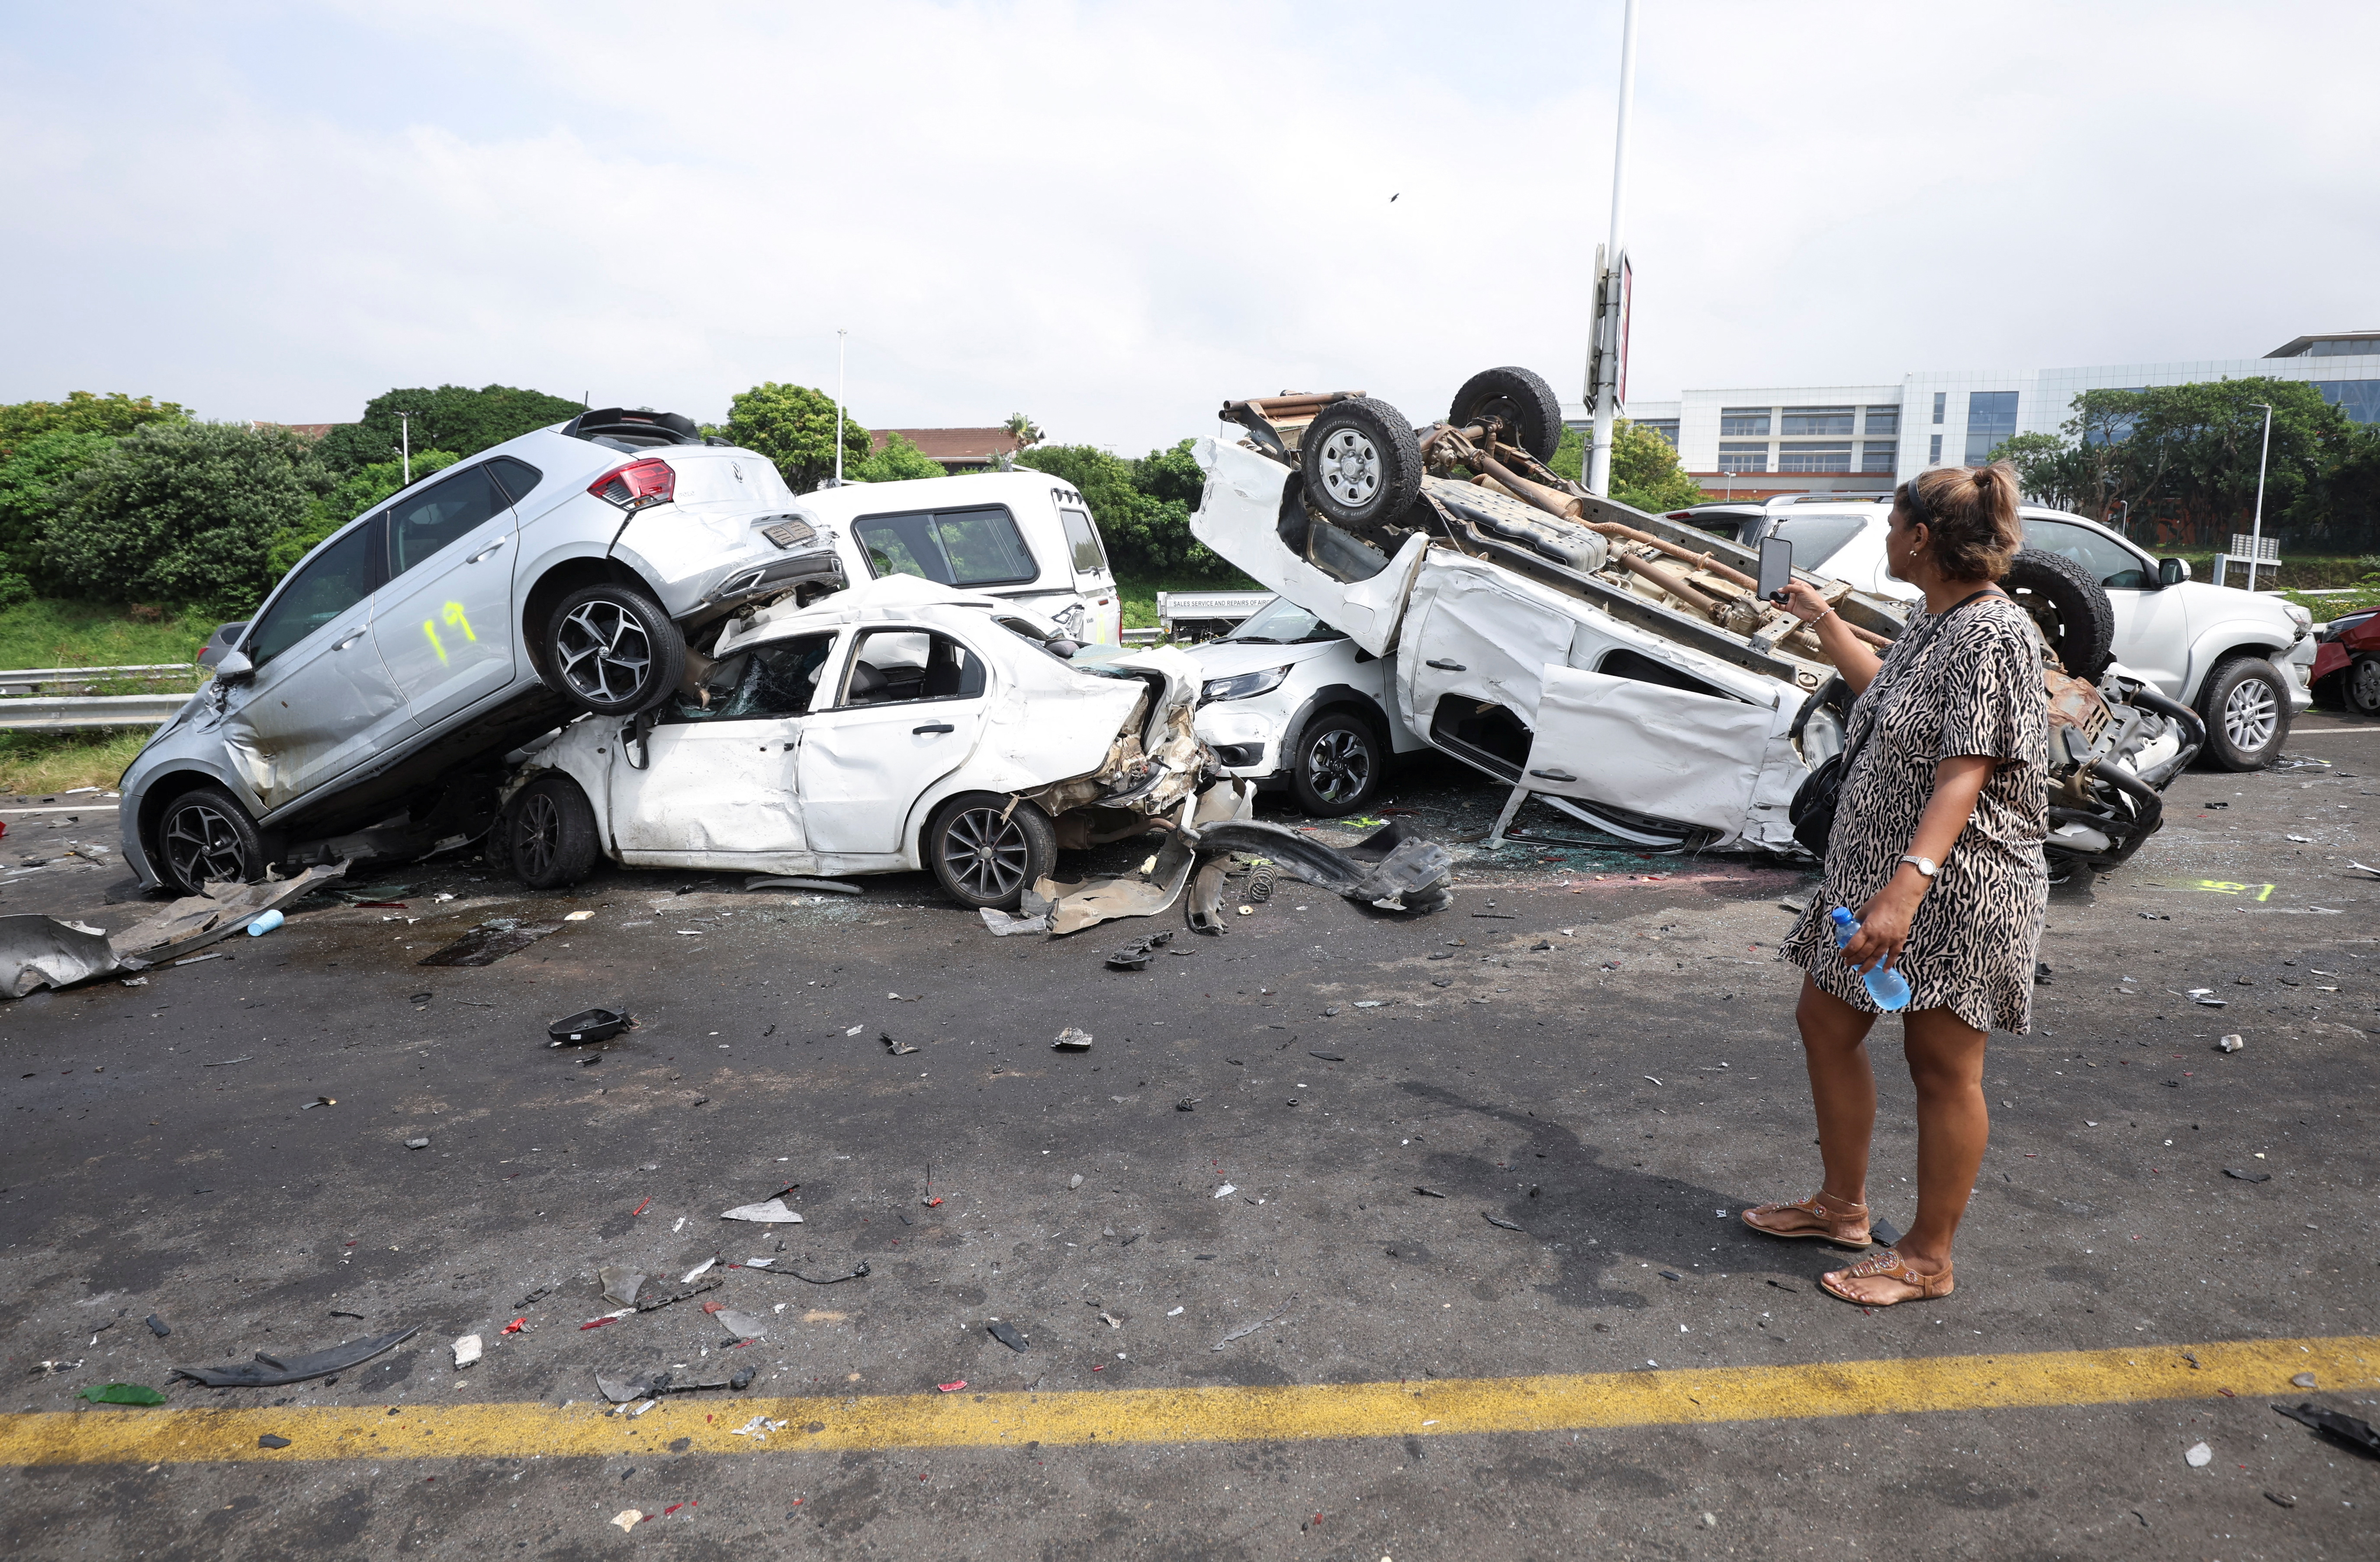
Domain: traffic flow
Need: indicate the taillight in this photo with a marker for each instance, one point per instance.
(638, 484)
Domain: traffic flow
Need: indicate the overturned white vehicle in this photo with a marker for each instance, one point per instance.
(1620, 665)
(896, 725)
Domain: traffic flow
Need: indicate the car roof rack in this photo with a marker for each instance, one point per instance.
(633, 428)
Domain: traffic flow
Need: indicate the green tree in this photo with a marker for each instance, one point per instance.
(2050, 470)
(1028, 433)
(350, 497)
(1142, 506)
(82, 412)
(184, 513)
(794, 426)
(1645, 470)
(449, 418)
(897, 462)
(31, 486)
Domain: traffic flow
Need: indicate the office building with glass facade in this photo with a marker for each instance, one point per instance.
(1803, 438)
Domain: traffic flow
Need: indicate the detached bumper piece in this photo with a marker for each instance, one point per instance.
(1390, 868)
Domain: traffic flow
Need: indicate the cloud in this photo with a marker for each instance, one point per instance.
(1115, 217)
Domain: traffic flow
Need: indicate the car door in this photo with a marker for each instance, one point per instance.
(445, 625)
(718, 781)
(1476, 634)
(1648, 748)
(320, 700)
(2152, 623)
(911, 707)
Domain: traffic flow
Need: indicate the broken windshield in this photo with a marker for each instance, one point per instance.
(1282, 622)
(775, 679)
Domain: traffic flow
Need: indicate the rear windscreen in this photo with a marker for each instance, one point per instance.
(1817, 538)
(1083, 538)
(980, 546)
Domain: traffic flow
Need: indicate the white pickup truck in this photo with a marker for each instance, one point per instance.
(2244, 659)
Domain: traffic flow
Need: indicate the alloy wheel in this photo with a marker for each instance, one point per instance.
(538, 836)
(204, 847)
(986, 853)
(1339, 765)
(1350, 467)
(2364, 685)
(606, 652)
(2251, 715)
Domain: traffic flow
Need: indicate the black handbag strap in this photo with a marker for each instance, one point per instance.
(1932, 626)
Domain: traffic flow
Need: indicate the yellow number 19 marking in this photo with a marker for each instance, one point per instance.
(455, 616)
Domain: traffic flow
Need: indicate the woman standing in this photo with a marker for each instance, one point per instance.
(1937, 843)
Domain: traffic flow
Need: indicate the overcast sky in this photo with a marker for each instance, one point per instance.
(1113, 217)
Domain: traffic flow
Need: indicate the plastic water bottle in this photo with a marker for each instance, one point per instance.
(1889, 988)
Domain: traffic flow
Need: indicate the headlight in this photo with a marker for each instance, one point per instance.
(2300, 617)
(1240, 685)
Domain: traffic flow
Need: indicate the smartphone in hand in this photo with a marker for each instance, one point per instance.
(1775, 567)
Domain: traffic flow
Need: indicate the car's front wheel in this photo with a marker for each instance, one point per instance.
(2247, 710)
(987, 851)
(550, 834)
(2364, 685)
(1338, 765)
(611, 648)
(204, 838)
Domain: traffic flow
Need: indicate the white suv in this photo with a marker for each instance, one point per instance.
(2244, 659)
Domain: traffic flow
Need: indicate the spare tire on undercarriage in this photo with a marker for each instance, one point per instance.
(1361, 463)
(1520, 399)
(2069, 606)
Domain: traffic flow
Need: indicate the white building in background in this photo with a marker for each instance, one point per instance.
(1786, 439)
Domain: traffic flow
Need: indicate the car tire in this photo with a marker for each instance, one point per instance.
(2246, 707)
(986, 853)
(205, 836)
(1530, 410)
(1361, 463)
(2362, 684)
(550, 837)
(2070, 607)
(611, 650)
(1337, 765)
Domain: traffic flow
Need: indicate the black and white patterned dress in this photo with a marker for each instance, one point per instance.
(1975, 688)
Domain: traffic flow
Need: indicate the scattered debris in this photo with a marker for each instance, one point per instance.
(1328, 1056)
(1006, 1333)
(2279, 1501)
(417, 1143)
(2303, 1379)
(157, 1325)
(120, 1394)
(1073, 1040)
(2230, 1043)
(491, 942)
(767, 1212)
(2247, 1176)
(772, 1267)
(2363, 868)
(697, 1272)
(1001, 924)
(1187, 1103)
(1136, 955)
(898, 1049)
(263, 923)
(2302, 840)
(1247, 1329)
(1427, 1192)
(467, 1350)
(1206, 908)
(588, 1025)
(952, 1387)
(37, 952)
(1073, 1182)
(2351, 1432)
(742, 1325)
(271, 1441)
(1390, 868)
(271, 1371)
(629, 1519)
(1500, 1222)
(320, 1100)
(2199, 1457)
(197, 920)
(621, 1389)
(1226, 1191)
(781, 881)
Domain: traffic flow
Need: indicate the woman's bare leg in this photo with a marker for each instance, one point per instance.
(1946, 1063)
(1842, 1087)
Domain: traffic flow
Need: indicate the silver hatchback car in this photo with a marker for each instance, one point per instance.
(366, 708)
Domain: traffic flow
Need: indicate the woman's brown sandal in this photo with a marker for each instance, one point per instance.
(1822, 1216)
(1886, 1264)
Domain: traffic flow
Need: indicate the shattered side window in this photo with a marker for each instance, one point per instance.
(970, 547)
(776, 679)
(889, 667)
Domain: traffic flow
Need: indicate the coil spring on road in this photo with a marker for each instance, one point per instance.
(1260, 883)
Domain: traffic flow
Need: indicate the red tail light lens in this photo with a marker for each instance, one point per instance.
(638, 484)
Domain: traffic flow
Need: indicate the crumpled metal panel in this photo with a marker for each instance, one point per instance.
(1668, 753)
(37, 952)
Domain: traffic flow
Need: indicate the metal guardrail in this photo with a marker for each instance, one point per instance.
(91, 680)
(81, 713)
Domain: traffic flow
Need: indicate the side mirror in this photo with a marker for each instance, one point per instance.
(2172, 571)
(235, 667)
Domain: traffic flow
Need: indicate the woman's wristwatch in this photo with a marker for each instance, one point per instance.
(1925, 865)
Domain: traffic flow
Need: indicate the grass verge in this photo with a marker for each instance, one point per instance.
(37, 764)
(1138, 594)
(45, 632)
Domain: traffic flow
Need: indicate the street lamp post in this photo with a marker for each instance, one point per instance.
(405, 448)
(1731, 483)
(838, 336)
(1606, 387)
(2256, 527)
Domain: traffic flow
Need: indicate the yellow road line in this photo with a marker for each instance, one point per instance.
(1435, 1408)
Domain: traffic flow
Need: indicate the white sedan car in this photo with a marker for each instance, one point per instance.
(1290, 702)
(896, 725)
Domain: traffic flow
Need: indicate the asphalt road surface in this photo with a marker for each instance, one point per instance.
(1246, 1330)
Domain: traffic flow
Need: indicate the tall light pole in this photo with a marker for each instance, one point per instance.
(405, 448)
(838, 336)
(2256, 527)
(1606, 389)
